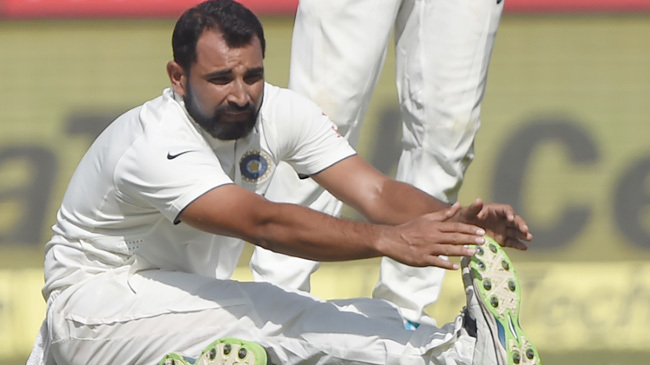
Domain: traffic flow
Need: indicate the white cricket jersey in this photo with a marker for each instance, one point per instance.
(123, 201)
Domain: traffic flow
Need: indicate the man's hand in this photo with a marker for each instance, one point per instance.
(422, 241)
(500, 222)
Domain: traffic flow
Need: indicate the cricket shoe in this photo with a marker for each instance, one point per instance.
(176, 358)
(493, 298)
(225, 351)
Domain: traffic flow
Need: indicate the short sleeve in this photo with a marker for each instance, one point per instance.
(168, 174)
(309, 140)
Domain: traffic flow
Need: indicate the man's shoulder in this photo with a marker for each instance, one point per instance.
(280, 102)
(273, 93)
(163, 104)
(156, 122)
(151, 109)
(165, 115)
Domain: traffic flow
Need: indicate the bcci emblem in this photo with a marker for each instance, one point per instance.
(254, 166)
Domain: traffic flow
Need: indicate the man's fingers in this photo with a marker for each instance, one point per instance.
(474, 209)
(515, 243)
(450, 251)
(520, 231)
(513, 238)
(442, 263)
(458, 227)
(445, 214)
(503, 210)
(461, 239)
(451, 211)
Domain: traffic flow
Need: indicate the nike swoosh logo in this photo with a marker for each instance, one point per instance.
(171, 157)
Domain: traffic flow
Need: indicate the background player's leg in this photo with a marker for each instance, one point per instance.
(442, 54)
(338, 50)
(283, 270)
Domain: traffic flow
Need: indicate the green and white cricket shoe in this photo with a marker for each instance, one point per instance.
(493, 298)
(233, 351)
(225, 351)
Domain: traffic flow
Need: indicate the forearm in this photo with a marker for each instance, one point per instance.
(285, 228)
(397, 202)
(379, 198)
(299, 231)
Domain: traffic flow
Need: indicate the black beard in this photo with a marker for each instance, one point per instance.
(215, 125)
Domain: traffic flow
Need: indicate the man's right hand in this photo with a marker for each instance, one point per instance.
(422, 241)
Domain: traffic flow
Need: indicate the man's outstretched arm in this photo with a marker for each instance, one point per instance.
(384, 200)
(377, 197)
(299, 231)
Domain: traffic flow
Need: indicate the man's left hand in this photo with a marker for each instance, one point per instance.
(500, 222)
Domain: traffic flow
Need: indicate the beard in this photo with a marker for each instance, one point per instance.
(219, 125)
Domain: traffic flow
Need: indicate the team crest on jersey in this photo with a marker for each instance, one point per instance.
(255, 166)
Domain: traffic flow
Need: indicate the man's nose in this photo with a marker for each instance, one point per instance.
(238, 93)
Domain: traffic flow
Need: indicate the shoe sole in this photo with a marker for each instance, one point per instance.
(497, 286)
(225, 351)
(229, 351)
(176, 358)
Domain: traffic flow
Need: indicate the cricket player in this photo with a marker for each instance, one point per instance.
(149, 231)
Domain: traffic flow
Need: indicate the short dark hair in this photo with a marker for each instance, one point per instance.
(237, 24)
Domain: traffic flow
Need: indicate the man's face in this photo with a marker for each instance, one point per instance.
(225, 86)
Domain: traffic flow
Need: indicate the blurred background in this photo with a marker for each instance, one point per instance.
(564, 139)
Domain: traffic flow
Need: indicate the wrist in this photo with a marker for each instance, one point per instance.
(379, 238)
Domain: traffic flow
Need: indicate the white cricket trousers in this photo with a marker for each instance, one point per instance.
(123, 318)
(442, 51)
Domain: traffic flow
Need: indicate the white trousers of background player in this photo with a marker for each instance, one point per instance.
(442, 54)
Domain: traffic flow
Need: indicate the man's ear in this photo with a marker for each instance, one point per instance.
(177, 77)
